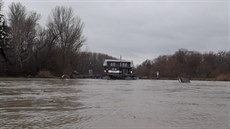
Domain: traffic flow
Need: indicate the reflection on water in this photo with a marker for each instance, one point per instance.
(113, 104)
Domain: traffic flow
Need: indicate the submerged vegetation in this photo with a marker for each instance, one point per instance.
(30, 50)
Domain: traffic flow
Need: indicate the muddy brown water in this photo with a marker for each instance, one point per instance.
(113, 104)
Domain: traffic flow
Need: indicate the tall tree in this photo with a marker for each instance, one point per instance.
(23, 32)
(4, 38)
(4, 30)
(66, 30)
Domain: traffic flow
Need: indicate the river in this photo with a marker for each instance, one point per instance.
(113, 104)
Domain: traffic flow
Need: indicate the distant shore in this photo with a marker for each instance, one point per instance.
(198, 79)
(96, 77)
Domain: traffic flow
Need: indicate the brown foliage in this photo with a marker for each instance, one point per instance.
(188, 63)
(45, 74)
(223, 77)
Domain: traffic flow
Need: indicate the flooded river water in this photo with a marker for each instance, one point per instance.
(113, 104)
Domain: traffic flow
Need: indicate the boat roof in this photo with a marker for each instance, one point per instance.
(122, 61)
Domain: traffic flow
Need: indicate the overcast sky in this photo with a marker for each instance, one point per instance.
(144, 29)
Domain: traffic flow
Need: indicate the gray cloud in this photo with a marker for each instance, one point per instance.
(138, 30)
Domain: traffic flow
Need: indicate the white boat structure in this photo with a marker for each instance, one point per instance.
(118, 69)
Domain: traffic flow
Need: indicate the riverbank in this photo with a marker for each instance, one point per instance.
(98, 77)
(75, 75)
(222, 77)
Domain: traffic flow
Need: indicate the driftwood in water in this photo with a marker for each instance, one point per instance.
(64, 76)
(183, 80)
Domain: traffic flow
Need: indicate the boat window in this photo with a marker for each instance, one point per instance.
(112, 64)
(124, 65)
(114, 69)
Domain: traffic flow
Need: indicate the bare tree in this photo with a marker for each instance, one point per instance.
(3, 35)
(3, 58)
(65, 32)
(23, 32)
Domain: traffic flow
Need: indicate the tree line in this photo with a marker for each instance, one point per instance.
(190, 64)
(27, 48)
